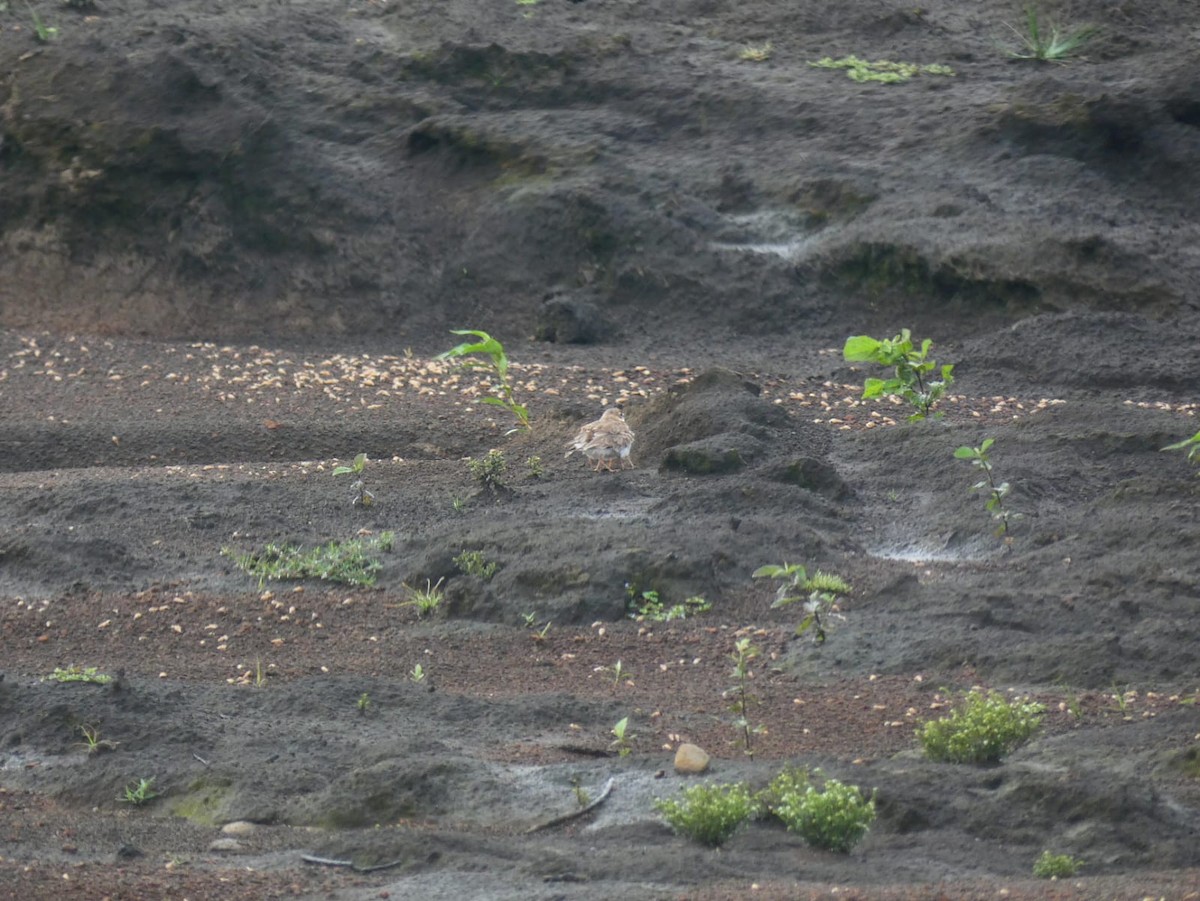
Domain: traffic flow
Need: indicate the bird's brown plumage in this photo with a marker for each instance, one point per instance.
(605, 441)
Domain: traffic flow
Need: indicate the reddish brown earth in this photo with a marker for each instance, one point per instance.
(236, 235)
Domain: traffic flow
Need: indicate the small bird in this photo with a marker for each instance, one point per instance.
(605, 441)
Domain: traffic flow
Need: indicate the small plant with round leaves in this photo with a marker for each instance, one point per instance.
(996, 492)
(744, 653)
(362, 497)
(1056, 866)
(622, 737)
(984, 729)
(832, 815)
(417, 674)
(917, 379)
(489, 470)
(708, 814)
(363, 703)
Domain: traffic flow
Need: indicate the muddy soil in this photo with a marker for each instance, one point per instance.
(235, 236)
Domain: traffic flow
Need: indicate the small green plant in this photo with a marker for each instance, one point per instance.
(622, 737)
(363, 703)
(530, 619)
(582, 798)
(93, 743)
(362, 497)
(743, 655)
(139, 793)
(650, 607)
(883, 71)
(1191, 445)
(1056, 866)
(474, 563)
(1045, 41)
(619, 673)
(458, 505)
(41, 32)
(915, 376)
(352, 562)
(708, 814)
(417, 674)
(489, 471)
(260, 675)
(534, 465)
(984, 729)
(496, 360)
(753, 53)
(88, 674)
(980, 458)
(427, 599)
(818, 593)
(833, 816)
(539, 635)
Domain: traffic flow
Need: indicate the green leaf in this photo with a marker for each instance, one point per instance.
(861, 349)
(966, 453)
(875, 388)
(341, 470)
(987, 443)
(769, 571)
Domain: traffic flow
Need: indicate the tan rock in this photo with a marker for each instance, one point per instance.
(690, 758)
(239, 827)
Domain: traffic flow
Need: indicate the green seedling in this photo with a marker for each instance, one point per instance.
(352, 562)
(496, 361)
(759, 53)
(996, 493)
(743, 655)
(882, 71)
(90, 675)
(915, 377)
(539, 635)
(42, 33)
(534, 465)
(530, 619)
(426, 600)
(362, 497)
(458, 505)
(474, 563)
(363, 703)
(619, 673)
(139, 793)
(708, 814)
(93, 743)
(1056, 866)
(622, 737)
(986, 728)
(1191, 445)
(818, 593)
(260, 675)
(1046, 42)
(417, 674)
(489, 470)
(651, 607)
(582, 798)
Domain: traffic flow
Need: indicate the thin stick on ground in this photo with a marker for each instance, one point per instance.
(574, 814)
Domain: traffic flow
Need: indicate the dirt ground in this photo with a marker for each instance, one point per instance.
(234, 238)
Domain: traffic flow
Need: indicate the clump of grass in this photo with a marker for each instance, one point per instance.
(1045, 41)
(984, 729)
(351, 562)
(1056, 866)
(426, 600)
(708, 814)
(474, 563)
(139, 793)
(834, 816)
(883, 71)
(73, 673)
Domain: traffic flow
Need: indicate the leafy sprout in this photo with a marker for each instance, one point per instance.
(979, 457)
(818, 593)
(1045, 41)
(916, 376)
(496, 361)
(1191, 445)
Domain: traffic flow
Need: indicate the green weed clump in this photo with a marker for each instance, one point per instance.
(1056, 866)
(474, 563)
(834, 816)
(351, 562)
(74, 673)
(708, 814)
(1046, 41)
(883, 71)
(986, 728)
(489, 471)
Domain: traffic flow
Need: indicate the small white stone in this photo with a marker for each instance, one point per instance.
(239, 827)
